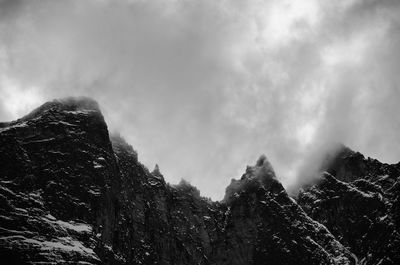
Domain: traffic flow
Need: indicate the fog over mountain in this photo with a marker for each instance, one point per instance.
(202, 88)
(72, 193)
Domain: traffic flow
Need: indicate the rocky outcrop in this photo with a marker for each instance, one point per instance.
(357, 200)
(273, 228)
(71, 193)
(257, 223)
(58, 182)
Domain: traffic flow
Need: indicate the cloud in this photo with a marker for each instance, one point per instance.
(204, 87)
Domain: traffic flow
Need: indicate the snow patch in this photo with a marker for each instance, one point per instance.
(78, 227)
(71, 225)
(97, 165)
(66, 244)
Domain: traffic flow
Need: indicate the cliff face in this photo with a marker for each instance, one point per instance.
(357, 199)
(71, 193)
(57, 172)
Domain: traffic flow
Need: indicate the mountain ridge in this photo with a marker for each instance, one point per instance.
(71, 192)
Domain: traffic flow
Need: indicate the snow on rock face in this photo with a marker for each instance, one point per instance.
(71, 194)
(29, 233)
(66, 245)
(359, 208)
(49, 190)
(263, 215)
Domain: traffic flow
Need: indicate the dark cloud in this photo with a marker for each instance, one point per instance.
(204, 87)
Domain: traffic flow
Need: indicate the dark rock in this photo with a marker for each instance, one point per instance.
(70, 193)
(358, 202)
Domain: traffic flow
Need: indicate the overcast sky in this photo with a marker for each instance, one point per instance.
(203, 87)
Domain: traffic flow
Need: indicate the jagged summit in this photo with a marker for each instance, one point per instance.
(261, 174)
(64, 104)
(71, 104)
(70, 192)
(262, 169)
(120, 145)
(335, 154)
(156, 169)
(348, 165)
(262, 160)
(187, 188)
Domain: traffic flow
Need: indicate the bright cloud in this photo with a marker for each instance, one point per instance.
(204, 87)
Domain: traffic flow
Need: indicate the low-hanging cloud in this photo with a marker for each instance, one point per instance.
(203, 87)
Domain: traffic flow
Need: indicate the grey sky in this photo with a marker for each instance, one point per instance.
(204, 87)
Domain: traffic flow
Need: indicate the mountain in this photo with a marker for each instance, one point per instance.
(358, 200)
(72, 194)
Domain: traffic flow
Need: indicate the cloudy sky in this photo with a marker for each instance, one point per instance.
(203, 87)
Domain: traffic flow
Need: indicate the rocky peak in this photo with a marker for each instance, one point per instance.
(156, 170)
(356, 200)
(348, 166)
(69, 191)
(343, 159)
(188, 188)
(121, 146)
(260, 175)
(71, 104)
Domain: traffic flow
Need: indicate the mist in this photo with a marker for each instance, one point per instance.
(202, 88)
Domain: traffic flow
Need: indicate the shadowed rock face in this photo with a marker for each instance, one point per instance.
(274, 229)
(358, 201)
(57, 163)
(71, 193)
